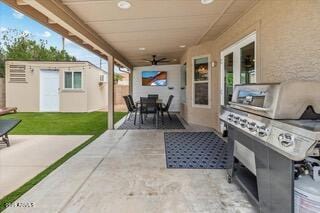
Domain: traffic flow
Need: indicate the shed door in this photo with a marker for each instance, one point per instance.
(49, 91)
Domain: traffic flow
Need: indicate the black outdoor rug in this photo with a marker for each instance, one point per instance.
(197, 150)
(148, 123)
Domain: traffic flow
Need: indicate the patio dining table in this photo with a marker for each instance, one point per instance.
(159, 103)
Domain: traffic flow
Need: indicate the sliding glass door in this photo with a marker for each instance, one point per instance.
(247, 64)
(237, 66)
(228, 78)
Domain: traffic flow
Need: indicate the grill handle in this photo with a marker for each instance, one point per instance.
(251, 107)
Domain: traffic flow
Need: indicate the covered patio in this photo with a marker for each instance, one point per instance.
(127, 34)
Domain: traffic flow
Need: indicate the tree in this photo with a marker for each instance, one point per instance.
(117, 77)
(2, 58)
(17, 45)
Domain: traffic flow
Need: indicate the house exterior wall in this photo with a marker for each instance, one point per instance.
(26, 96)
(97, 94)
(173, 76)
(74, 100)
(288, 44)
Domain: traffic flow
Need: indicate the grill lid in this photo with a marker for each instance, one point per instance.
(287, 100)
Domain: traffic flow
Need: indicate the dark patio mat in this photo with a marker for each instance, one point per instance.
(175, 123)
(197, 150)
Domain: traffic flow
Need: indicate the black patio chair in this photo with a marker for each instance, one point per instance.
(130, 107)
(5, 127)
(132, 102)
(166, 107)
(148, 106)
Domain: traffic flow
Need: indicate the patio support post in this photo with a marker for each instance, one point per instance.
(130, 82)
(110, 92)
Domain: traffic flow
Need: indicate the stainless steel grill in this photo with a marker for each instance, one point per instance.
(274, 113)
(273, 127)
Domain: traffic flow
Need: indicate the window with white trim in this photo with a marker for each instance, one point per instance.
(201, 81)
(73, 80)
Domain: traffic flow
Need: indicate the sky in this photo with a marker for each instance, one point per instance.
(12, 19)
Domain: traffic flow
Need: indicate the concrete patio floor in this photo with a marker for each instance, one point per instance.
(28, 155)
(125, 171)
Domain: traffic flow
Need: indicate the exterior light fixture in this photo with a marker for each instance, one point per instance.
(124, 5)
(206, 1)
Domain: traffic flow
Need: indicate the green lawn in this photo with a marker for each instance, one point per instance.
(94, 123)
(38, 123)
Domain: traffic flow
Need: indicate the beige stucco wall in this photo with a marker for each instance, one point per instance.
(72, 100)
(288, 44)
(26, 96)
(97, 94)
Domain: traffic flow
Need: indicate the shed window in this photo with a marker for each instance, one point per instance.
(77, 80)
(68, 80)
(73, 80)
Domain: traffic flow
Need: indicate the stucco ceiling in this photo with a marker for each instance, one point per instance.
(159, 26)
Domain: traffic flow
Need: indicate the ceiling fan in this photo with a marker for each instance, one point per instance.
(155, 61)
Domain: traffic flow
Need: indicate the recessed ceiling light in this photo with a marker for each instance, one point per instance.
(124, 5)
(206, 1)
(182, 46)
(142, 48)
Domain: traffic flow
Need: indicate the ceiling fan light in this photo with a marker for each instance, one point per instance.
(206, 1)
(124, 5)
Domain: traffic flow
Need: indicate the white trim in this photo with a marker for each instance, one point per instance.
(195, 82)
(72, 83)
(235, 49)
(183, 79)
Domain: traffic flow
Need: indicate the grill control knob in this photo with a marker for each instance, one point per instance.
(236, 119)
(252, 126)
(243, 122)
(286, 139)
(230, 117)
(262, 131)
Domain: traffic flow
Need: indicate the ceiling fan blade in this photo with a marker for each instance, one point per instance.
(147, 60)
(162, 59)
